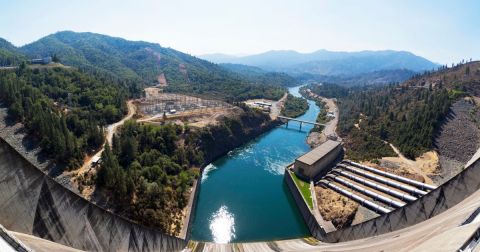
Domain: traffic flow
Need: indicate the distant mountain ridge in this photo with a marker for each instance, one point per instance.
(143, 62)
(380, 77)
(260, 76)
(323, 62)
(117, 56)
(9, 54)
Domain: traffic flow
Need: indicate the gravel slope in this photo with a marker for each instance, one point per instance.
(458, 139)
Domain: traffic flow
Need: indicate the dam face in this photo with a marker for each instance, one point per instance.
(33, 203)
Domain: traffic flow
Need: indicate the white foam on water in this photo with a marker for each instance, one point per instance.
(276, 165)
(222, 226)
(207, 169)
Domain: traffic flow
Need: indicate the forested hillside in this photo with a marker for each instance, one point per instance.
(380, 77)
(148, 173)
(294, 106)
(259, 76)
(63, 108)
(9, 55)
(407, 115)
(330, 90)
(144, 62)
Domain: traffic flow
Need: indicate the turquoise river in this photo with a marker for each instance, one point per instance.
(243, 196)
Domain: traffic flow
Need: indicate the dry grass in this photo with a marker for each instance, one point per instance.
(419, 169)
(334, 207)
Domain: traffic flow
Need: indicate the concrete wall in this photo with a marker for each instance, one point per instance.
(447, 195)
(308, 217)
(12, 241)
(319, 168)
(33, 203)
(193, 205)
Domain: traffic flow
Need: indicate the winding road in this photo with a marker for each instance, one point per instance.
(111, 129)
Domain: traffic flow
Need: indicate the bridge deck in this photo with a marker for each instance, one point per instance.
(302, 121)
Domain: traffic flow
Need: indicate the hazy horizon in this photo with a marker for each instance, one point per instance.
(441, 31)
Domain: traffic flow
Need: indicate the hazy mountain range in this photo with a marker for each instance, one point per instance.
(146, 62)
(328, 63)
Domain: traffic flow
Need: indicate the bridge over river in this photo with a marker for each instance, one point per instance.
(287, 119)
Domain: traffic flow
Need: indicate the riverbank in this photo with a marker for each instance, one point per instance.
(222, 148)
(189, 211)
(255, 203)
(330, 107)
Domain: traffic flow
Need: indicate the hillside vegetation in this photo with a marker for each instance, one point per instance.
(406, 115)
(259, 76)
(144, 62)
(380, 77)
(233, 131)
(294, 106)
(63, 108)
(148, 173)
(9, 56)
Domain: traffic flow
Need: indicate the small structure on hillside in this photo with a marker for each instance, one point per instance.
(263, 104)
(42, 61)
(318, 161)
(260, 104)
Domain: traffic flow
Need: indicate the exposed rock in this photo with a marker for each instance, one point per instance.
(314, 138)
(16, 135)
(458, 139)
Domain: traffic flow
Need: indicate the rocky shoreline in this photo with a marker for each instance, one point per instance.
(254, 133)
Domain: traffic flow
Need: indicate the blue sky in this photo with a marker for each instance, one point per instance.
(442, 31)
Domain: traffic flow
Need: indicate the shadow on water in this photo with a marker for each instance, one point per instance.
(296, 128)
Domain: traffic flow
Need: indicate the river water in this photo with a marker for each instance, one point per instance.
(243, 196)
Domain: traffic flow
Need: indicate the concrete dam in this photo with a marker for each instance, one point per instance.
(33, 203)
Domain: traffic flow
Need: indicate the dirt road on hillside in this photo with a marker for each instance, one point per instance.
(416, 166)
(111, 129)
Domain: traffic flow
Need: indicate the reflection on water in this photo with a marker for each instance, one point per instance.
(222, 225)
